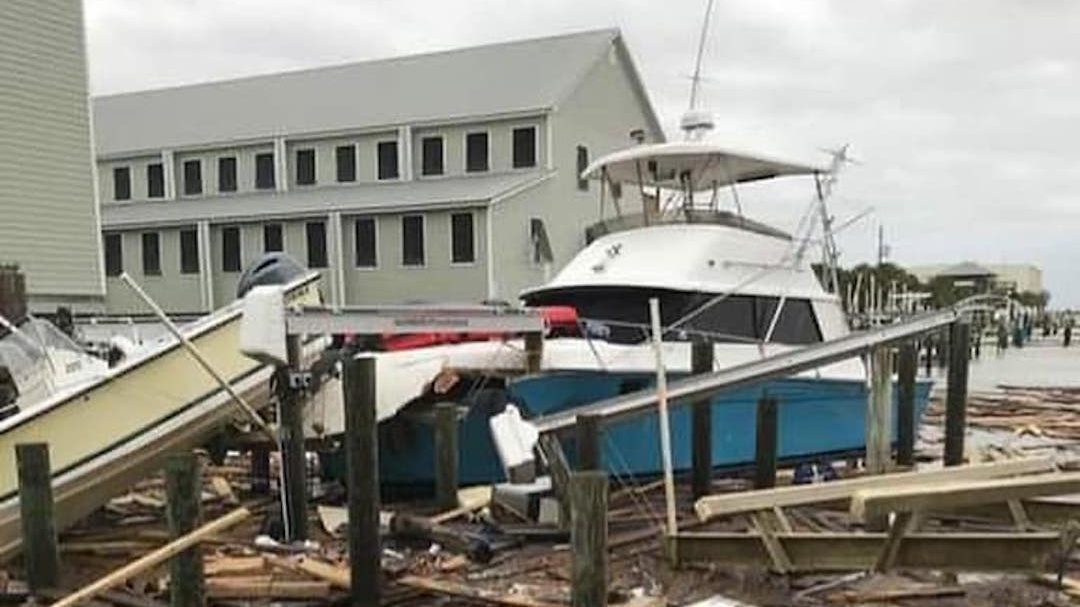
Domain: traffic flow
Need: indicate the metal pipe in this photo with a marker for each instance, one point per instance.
(665, 423)
(199, 358)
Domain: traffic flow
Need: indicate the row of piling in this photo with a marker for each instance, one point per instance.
(585, 489)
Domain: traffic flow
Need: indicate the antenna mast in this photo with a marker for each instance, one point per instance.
(695, 123)
(830, 252)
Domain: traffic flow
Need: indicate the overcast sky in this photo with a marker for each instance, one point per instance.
(964, 115)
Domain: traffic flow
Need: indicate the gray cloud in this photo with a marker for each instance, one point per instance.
(963, 114)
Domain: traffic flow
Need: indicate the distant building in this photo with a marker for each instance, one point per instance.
(48, 213)
(1009, 276)
(449, 176)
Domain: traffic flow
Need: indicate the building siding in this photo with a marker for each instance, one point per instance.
(599, 114)
(50, 224)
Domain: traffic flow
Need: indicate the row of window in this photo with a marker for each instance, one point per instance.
(365, 249)
(432, 161)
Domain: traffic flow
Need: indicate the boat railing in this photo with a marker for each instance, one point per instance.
(630, 221)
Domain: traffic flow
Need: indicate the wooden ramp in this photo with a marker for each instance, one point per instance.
(109, 434)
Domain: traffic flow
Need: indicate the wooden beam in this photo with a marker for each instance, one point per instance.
(40, 553)
(154, 558)
(858, 551)
(907, 423)
(702, 354)
(362, 468)
(446, 455)
(781, 562)
(183, 486)
(880, 501)
(840, 491)
(265, 587)
(878, 411)
(588, 539)
(956, 393)
(903, 524)
(461, 591)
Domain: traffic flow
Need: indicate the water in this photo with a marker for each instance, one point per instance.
(1040, 363)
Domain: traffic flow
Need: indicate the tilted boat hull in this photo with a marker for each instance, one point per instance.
(816, 417)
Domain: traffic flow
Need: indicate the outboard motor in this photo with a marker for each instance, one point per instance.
(270, 269)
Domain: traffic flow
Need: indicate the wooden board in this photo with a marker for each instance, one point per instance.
(879, 501)
(714, 506)
(859, 551)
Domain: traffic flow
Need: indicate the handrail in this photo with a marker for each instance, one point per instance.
(777, 365)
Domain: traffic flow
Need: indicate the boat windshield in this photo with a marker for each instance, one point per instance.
(621, 315)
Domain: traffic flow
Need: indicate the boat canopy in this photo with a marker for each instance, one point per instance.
(692, 164)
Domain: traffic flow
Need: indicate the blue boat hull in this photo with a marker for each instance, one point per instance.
(816, 417)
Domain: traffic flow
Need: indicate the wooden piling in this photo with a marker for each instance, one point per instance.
(956, 394)
(291, 438)
(260, 469)
(929, 355)
(183, 489)
(534, 351)
(878, 409)
(362, 463)
(40, 554)
(701, 361)
(446, 455)
(588, 539)
(588, 442)
(905, 407)
(765, 445)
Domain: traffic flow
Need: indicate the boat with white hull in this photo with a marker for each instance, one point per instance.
(743, 287)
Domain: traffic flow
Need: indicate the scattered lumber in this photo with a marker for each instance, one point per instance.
(234, 565)
(154, 558)
(898, 594)
(714, 506)
(264, 587)
(867, 504)
(1026, 552)
(462, 591)
(335, 575)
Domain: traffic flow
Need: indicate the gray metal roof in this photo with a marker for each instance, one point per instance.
(368, 198)
(487, 80)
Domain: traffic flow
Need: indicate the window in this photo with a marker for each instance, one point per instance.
(226, 174)
(305, 167)
(346, 163)
(432, 156)
(388, 160)
(114, 255)
(462, 243)
(230, 249)
(476, 152)
(151, 254)
(264, 171)
(189, 251)
(316, 244)
(192, 177)
(524, 147)
(412, 240)
(273, 241)
(155, 180)
(365, 243)
(582, 164)
(121, 177)
(736, 318)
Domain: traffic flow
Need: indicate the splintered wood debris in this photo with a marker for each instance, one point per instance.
(529, 563)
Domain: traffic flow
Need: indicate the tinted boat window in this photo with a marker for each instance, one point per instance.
(621, 315)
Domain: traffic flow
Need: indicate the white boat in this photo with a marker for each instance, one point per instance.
(743, 286)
